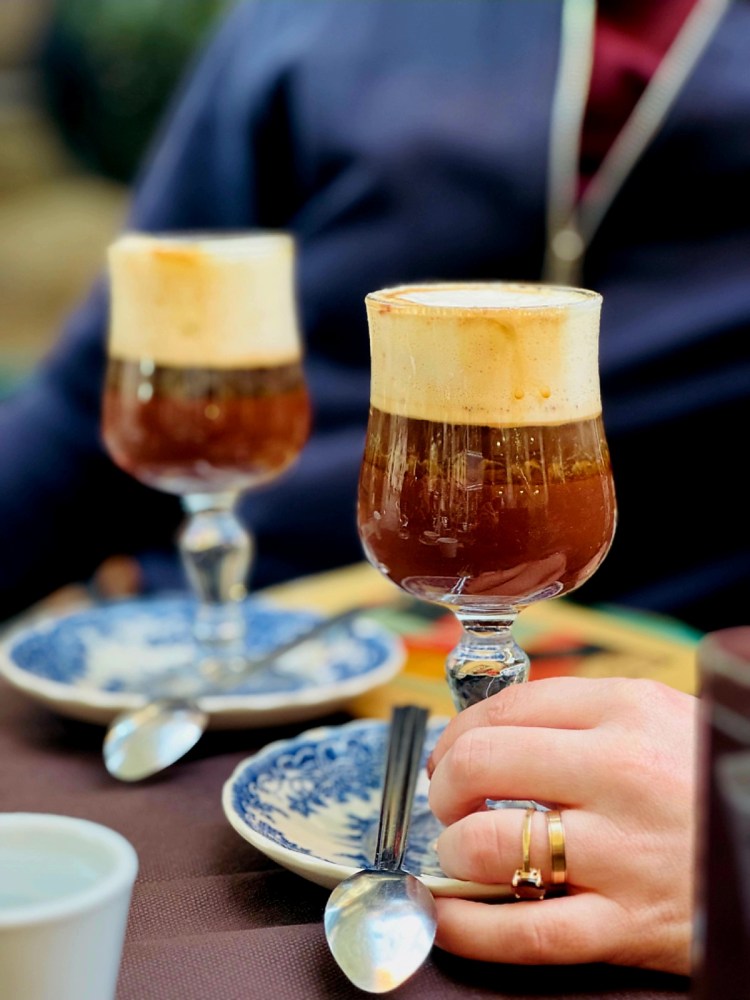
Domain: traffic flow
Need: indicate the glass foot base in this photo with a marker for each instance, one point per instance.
(516, 804)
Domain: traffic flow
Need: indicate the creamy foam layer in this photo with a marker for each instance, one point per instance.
(204, 301)
(498, 354)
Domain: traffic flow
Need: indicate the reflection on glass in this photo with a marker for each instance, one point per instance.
(205, 395)
(486, 482)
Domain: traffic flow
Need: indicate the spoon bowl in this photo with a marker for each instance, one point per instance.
(141, 743)
(380, 927)
(380, 923)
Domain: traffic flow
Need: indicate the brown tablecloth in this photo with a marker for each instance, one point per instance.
(214, 919)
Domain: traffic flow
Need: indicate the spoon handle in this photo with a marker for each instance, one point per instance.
(196, 687)
(405, 742)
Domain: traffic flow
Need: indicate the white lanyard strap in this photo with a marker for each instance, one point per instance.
(571, 226)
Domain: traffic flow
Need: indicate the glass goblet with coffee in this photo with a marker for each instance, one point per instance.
(205, 395)
(486, 482)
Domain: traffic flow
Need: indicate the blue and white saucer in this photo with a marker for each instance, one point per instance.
(93, 663)
(312, 804)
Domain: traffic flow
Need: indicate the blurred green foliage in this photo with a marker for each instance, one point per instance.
(109, 68)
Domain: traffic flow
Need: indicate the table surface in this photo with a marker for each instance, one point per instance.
(211, 916)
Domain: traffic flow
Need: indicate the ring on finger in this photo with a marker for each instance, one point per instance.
(527, 882)
(556, 834)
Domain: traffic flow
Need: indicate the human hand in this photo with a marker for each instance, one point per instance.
(617, 757)
(117, 576)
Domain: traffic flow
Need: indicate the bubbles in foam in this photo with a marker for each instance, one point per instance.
(507, 295)
(502, 354)
(204, 300)
(222, 245)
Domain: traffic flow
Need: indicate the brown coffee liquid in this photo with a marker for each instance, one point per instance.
(500, 512)
(203, 430)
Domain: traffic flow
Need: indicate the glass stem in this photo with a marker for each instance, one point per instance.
(216, 552)
(486, 659)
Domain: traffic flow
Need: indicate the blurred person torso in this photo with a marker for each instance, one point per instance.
(408, 142)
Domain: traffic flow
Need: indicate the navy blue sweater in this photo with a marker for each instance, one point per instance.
(407, 141)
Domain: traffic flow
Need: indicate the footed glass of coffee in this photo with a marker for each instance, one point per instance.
(205, 395)
(486, 482)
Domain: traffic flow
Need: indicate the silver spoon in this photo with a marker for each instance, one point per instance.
(380, 922)
(142, 741)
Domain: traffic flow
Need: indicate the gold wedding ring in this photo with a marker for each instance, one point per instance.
(556, 835)
(527, 881)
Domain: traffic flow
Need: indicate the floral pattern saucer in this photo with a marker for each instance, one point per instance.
(93, 663)
(312, 804)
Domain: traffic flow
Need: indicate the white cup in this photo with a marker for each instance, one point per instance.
(65, 888)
